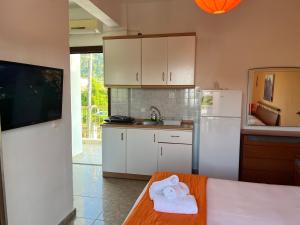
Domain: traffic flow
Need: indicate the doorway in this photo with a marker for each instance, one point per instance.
(90, 105)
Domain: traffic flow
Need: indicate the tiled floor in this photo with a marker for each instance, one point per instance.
(92, 154)
(102, 201)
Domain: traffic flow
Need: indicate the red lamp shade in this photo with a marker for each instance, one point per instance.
(217, 6)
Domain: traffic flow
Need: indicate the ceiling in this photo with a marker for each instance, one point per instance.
(80, 18)
(78, 13)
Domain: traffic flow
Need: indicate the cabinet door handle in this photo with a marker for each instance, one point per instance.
(161, 152)
(122, 136)
(175, 136)
(154, 138)
(163, 76)
(137, 76)
(170, 76)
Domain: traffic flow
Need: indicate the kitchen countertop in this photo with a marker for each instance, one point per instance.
(183, 126)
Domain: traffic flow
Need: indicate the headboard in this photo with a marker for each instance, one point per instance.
(269, 115)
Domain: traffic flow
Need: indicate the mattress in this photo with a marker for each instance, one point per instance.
(242, 203)
(253, 121)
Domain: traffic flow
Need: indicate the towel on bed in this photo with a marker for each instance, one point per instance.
(183, 205)
(158, 186)
(176, 191)
(144, 214)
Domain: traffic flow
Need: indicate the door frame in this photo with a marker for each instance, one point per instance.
(87, 50)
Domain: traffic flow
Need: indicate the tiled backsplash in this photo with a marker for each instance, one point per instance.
(172, 103)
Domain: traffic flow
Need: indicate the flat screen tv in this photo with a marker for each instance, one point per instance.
(29, 94)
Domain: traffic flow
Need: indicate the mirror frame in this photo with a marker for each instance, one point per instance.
(249, 90)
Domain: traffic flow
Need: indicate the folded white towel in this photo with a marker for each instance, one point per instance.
(158, 186)
(170, 192)
(176, 191)
(184, 205)
(184, 189)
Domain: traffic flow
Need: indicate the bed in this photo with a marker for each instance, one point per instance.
(242, 203)
(265, 115)
(254, 121)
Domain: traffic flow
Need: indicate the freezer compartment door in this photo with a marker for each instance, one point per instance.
(221, 103)
(219, 147)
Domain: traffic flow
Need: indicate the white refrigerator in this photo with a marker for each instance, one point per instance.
(220, 126)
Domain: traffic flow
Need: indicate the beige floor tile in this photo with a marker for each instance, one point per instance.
(106, 201)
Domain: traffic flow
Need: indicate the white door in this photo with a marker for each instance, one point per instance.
(219, 147)
(226, 103)
(175, 158)
(154, 61)
(142, 149)
(181, 60)
(122, 62)
(114, 150)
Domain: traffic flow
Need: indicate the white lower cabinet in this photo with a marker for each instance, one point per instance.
(142, 150)
(175, 158)
(114, 150)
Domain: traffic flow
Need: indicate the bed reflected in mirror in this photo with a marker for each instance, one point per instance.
(274, 97)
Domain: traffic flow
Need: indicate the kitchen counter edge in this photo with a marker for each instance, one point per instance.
(187, 127)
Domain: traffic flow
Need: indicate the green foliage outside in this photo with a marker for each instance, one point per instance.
(99, 93)
(98, 65)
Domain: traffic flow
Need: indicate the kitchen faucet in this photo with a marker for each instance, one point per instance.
(155, 113)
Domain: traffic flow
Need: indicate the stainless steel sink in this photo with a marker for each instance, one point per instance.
(147, 122)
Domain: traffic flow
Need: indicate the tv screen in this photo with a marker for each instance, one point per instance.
(29, 94)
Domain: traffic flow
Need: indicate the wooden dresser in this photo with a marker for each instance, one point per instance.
(270, 157)
(297, 171)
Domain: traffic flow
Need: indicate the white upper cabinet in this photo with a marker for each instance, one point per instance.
(150, 60)
(154, 61)
(142, 147)
(181, 60)
(122, 59)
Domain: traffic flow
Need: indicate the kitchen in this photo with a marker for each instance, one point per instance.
(152, 80)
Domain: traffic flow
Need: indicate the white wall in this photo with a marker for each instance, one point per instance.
(258, 33)
(79, 40)
(37, 159)
(76, 105)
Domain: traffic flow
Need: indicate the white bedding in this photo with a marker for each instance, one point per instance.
(241, 203)
(253, 121)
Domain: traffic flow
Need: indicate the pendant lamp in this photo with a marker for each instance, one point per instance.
(217, 6)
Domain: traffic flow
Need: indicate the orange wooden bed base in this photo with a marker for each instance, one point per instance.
(144, 214)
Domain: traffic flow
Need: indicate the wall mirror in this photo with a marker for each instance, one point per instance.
(274, 97)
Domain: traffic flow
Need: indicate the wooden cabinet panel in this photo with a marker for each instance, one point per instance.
(297, 171)
(114, 150)
(271, 141)
(150, 61)
(178, 137)
(123, 60)
(175, 158)
(269, 177)
(154, 61)
(269, 152)
(269, 159)
(181, 60)
(272, 165)
(142, 147)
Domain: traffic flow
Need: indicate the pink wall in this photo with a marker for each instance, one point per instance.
(37, 159)
(257, 33)
(112, 8)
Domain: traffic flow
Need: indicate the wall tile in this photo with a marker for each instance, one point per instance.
(173, 103)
